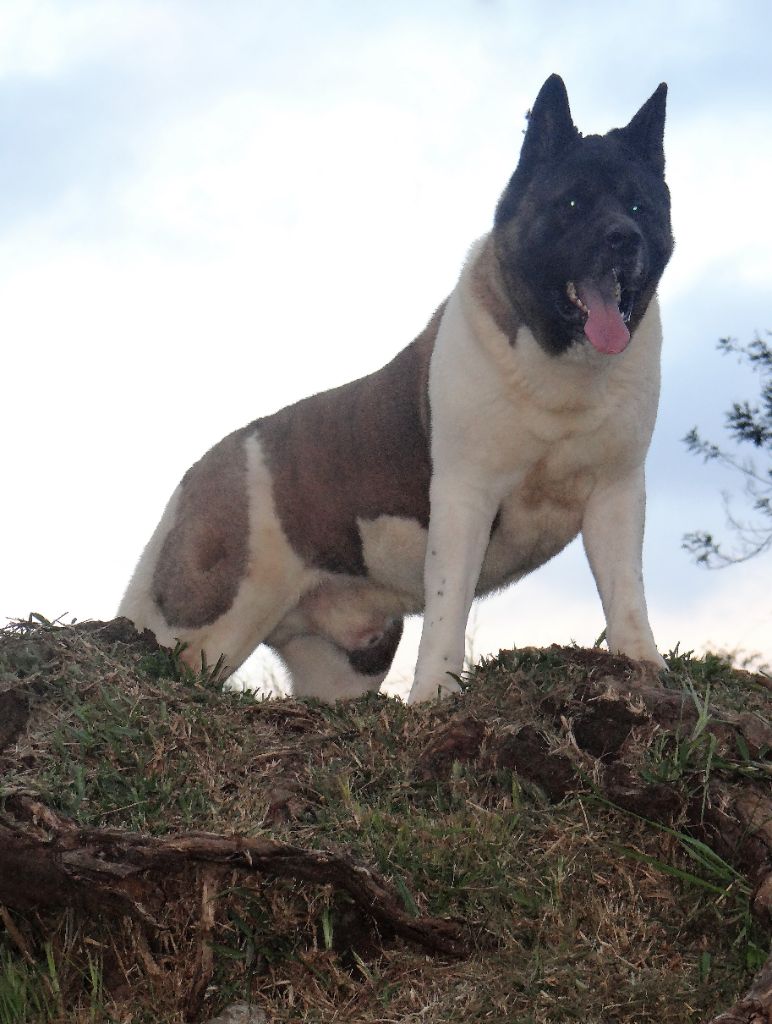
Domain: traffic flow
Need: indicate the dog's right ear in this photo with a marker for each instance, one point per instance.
(550, 126)
(550, 130)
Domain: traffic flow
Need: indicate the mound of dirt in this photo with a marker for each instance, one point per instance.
(571, 838)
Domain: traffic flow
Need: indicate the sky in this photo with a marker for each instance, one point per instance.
(209, 210)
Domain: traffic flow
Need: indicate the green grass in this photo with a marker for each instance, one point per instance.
(31, 990)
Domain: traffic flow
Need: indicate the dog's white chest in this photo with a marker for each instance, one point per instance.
(535, 522)
(542, 458)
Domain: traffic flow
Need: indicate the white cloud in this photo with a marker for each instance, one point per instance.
(46, 37)
(719, 170)
(730, 612)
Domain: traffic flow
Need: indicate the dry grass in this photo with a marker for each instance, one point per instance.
(572, 910)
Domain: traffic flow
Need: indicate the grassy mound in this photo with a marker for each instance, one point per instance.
(505, 812)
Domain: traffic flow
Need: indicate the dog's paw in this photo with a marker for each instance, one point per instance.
(648, 655)
(657, 662)
(432, 689)
(633, 639)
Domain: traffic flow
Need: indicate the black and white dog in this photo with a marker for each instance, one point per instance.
(519, 417)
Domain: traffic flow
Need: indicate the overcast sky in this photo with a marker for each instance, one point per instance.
(211, 209)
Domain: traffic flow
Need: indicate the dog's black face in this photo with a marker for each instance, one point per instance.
(582, 231)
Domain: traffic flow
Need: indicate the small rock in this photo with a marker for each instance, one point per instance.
(240, 1013)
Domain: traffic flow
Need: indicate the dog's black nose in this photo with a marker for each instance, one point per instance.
(623, 238)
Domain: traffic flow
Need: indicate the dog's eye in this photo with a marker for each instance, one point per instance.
(573, 204)
(636, 208)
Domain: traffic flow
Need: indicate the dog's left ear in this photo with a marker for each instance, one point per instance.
(645, 133)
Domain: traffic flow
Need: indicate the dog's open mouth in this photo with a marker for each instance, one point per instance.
(606, 305)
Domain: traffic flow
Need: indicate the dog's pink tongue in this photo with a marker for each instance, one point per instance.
(605, 327)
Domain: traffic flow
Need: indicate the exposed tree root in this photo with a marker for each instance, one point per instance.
(46, 860)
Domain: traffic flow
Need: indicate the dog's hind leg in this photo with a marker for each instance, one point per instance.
(218, 573)
(321, 668)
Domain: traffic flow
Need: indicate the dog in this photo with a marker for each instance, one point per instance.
(520, 417)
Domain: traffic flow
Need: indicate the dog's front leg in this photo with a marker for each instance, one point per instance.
(612, 531)
(459, 531)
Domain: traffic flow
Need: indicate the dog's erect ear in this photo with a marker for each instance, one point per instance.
(645, 133)
(550, 131)
(550, 127)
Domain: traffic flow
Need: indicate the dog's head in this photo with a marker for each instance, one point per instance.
(582, 232)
